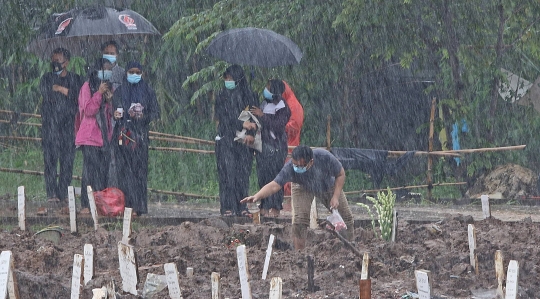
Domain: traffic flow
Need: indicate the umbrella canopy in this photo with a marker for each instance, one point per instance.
(254, 46)
(83, 30)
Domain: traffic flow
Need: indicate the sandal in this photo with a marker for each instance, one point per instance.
(42, 211)
(85, 211)
(227, 213)
(246, 213)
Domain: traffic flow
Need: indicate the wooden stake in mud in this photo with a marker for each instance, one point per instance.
(268, 255)
(423, 283)
(512, 280)
(365, 281)
(93, 209)
(472, 247)
(310, 274)
(243, 271)
(126, 229)
(21, 207)
(88, 263)
(216, 285)
(72, 210)
(430, 147)
(275, 288)
(394, 225)
(128, 268)
(76, 278)
(8, 281)
(189, 272)
(499, 273)
(313, 215)
(171, 274)
(486, 209)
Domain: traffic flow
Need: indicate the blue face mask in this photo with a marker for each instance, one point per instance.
(111, 58)
(104, 75)
(299, 169)
(230, 84)
(267, 94)
(134, 78)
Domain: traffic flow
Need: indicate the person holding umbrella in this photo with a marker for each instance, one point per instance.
(95, 132)
(139, 101)
(234, 159)
(60, 89)
(110, 52)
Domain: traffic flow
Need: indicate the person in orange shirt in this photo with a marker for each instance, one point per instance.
(294, 125)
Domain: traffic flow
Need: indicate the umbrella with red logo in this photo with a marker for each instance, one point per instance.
(83, 30)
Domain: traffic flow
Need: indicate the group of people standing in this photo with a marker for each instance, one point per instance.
(90, 115)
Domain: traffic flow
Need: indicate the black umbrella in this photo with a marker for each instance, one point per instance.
(254, 46)
(83, 30)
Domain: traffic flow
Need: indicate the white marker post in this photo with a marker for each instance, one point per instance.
(365, 266)
(126, 231)
(8, 281)
(313, 216)
(72, 210)
(216, 285)
(93, 209)
(171, 275)
(78, 264)
(472, 247)
(512, 279)
(21, 207)
(486, 209)
(88, 263)
(268, 255)
(128, 268)
(423, 284)
(275, 288)
(243, 271)
(499, 273)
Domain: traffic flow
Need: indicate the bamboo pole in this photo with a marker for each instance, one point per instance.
(20, 123)
(430, 148)
(328, 137)
(21, 138)
(176, 149)
(174, 140)
(21, 113)
(405, 187)
(182, 194)
(32, 172)
(183, 137)
(487, 149)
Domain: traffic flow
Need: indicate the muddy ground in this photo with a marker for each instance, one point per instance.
(44, 269)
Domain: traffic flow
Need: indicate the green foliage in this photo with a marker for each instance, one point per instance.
(384, 206)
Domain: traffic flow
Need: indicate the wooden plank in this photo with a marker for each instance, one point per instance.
(21, 207)
(310, 274)
(128, 268)
(276, 288)
(93, 209)
(88, 263)
(216, 285)
(423, 284)
(126, 229)
(512, 280)
(499, 273)
(76, 277)
(243, 271)
(394, 225)
(171, 275)
(189, 272)
(365, 266)
(365, 289)
(72, 210)
(268, 256)
(313, 215)
(486, 209)
(8, 281)
(472, 244)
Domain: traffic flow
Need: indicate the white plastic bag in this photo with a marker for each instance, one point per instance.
(336, 221)
(240, 135)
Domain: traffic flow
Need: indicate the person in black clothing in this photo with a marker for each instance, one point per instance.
(273, 117)
(234, 159)
(139, 102)
(60, 90)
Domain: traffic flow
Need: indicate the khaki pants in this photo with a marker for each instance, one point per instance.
(301, 208)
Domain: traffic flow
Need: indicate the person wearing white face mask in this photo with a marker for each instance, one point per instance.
(95, 131)
(314, 174)
(110, 52)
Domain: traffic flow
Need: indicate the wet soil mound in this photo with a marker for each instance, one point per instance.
(509, 181)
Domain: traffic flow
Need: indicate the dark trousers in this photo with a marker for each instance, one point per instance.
(56, 151)
(95, 171)
(132, 169)
(269, 164)
(234, 162)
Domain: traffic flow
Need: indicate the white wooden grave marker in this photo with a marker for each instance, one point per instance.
(76, 277)
(243, 271)
(512, 279)
(268, 255)
(486, 210)
(93, 209)
(423, 284)
(499, 273)
(128, 268)
(216, 285)
(394, 225)
(72, 210)
(126, 229)
(275, 288)
(472, 246)
(171, 275)
(99, 293)
(88, 263)
(8, 281)
(21, 207)
(365, 266)
(313, 215)
(189, 272)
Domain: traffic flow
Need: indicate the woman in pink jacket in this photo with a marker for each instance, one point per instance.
(95, 131)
